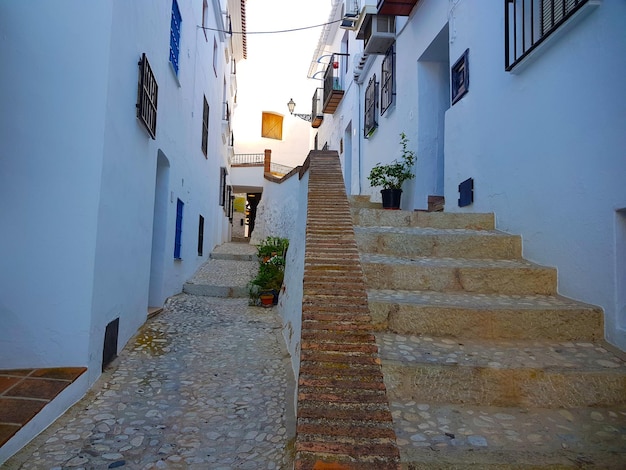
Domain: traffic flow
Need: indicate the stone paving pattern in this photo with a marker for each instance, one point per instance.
(204, 385)
(227, 273)
(486, 379)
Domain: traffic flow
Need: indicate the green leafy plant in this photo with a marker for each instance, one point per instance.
(272, 246)
(394, 174)
(271, 254)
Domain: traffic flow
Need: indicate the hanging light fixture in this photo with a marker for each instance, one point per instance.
(292, 105)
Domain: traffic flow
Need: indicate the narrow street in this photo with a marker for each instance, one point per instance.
(206, 384)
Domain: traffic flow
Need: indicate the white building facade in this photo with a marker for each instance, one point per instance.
(115, 125)
(518, 100)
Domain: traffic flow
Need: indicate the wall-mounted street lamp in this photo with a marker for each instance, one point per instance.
(292, 105)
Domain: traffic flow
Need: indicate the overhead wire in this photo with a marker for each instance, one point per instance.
(270, 32)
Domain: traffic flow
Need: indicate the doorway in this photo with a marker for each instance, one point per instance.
(433, 100)
(159, 231)
(620, 268)
(347, 158)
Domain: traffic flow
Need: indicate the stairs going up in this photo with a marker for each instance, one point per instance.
(228, 271)
(486, 366)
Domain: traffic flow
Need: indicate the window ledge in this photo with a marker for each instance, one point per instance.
(576, 18)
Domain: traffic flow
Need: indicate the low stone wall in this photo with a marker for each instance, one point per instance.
(343, 417)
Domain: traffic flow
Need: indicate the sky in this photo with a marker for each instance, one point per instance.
(276, 70)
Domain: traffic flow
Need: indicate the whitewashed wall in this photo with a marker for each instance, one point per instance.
(548, 152)
(78, 171)
(51, 122)
(545, 146)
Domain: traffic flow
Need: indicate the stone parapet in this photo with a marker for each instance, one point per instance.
(343, 419)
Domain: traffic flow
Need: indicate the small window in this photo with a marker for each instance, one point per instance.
(205, 12)
(229, 203)
(370, 123)
(387, 81)
(147, 95)
(179, 229)
(272, 127)
(215, 56)
(223, 174)
(460, 77)
(529, 23)
(175, 35)
(205, 128)
(200, 236)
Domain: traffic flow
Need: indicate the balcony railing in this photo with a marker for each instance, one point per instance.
(247, 159)
(528, 23)
(317, 115)
(334, 82)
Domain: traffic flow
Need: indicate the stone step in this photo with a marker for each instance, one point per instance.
(222, 278)
(451, 436)
(363, 202)
(449, 243)
(233, 256)
(368, 217)
(485, 316)
(527, 374)
(235, 251)
(458, 274)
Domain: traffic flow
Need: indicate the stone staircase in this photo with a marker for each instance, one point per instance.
(231, 266)
(486, 366)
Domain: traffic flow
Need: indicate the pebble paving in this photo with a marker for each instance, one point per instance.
(581, 437)
(589, 436)
(499, 354)
(204, 385)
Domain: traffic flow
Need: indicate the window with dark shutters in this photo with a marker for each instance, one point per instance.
(528, 23)
(175, 35)
(370, 122)
(179, 229)
(200, 236)
(205, 127)
(387, 81)
(147, 96)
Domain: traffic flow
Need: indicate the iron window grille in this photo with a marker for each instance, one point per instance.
(226, 115)
(205, 128)
(459, 78)
(370, 122)
(387, 80)
(175, 35)
(528, 23)
(147, 95)
(230, 202)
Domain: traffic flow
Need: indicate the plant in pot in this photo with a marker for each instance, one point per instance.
(392, 175)
(264, 288)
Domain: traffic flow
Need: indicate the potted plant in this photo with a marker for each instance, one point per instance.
(391, 176)
(264, 288)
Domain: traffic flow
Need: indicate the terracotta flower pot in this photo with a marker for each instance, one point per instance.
(267, 300)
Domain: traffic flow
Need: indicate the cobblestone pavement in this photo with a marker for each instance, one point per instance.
(206, 384)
